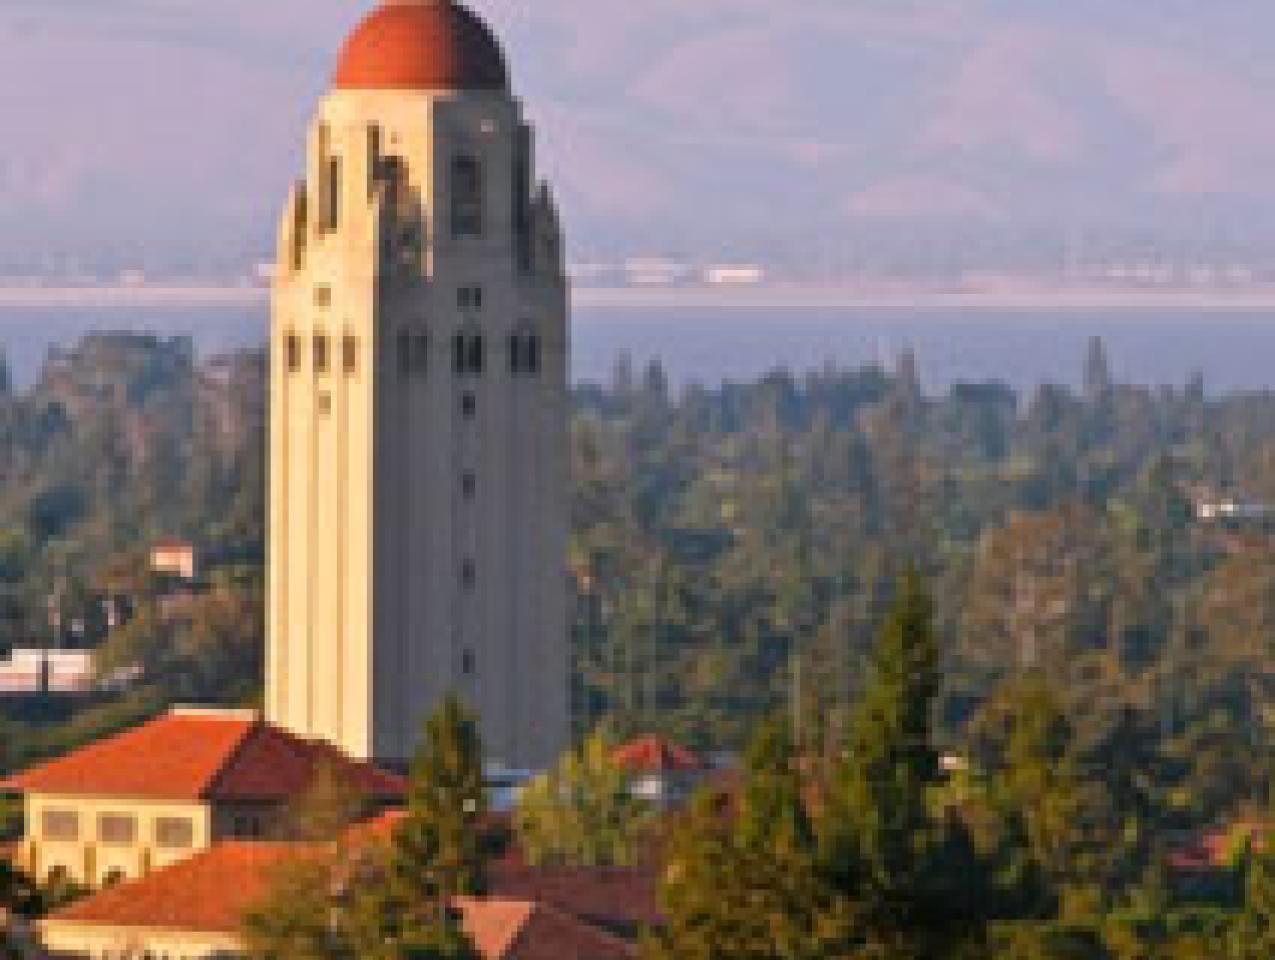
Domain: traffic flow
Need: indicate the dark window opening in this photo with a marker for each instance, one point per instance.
(332, 194)
(404, 353)
(373, 156)
(467, 197)
(469, 298)
(420, 353)
(468, 574)
(320, 353)
(469, 406)
(325, 403)
(350, 353)
(469, 484)
(292, 352)
(468, 663)
(524, 354)
(468, 354)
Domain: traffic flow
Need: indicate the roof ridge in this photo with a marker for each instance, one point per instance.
(208, 791)
(554, 909)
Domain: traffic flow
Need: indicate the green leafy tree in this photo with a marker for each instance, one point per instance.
(583, 812)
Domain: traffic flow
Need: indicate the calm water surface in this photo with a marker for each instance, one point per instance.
(1234, 350)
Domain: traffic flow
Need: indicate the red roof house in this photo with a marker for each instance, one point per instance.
(160, 792)
(196, 908)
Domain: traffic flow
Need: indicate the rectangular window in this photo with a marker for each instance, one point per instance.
(174, 833)
(420, 353)
(117, 828)
(468, 663)
(320, 353)
(292, 352)
(323, 296)
(467, 197)
(469, 298)
(469, 484)
(469, 406)
(60, 825)
(350, 353)
(468, 574)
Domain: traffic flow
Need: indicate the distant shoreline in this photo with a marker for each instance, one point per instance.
(768, 296)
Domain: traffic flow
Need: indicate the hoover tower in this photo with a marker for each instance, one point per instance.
(418, 445)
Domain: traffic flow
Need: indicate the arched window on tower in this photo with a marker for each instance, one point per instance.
(468, 353)
(467, 197)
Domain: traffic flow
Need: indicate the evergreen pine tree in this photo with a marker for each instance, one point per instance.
(439, 847)
(910, 883)
(407, 910)
(1254, 935)
(748, 889)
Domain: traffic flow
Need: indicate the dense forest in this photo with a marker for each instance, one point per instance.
(735, 549)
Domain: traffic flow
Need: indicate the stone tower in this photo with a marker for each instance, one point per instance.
(418, 447)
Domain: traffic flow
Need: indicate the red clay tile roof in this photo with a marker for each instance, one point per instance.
(422, 45)
(201, 755)
(212, 891)
(209, 893)
(621, 899)
(524, 930)
(656, 755)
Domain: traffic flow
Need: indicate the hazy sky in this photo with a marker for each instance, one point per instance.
(147, 127)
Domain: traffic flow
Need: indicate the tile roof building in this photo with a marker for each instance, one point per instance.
(158, 793)
(195, 910)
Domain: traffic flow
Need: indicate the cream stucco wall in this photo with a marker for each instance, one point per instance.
(100, 942)
(370, 621)
(89, 859)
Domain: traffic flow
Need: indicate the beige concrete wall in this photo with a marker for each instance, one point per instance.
(89, 859)
(369, 622)
(108, 943)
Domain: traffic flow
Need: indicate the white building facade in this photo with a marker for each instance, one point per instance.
(418, 450)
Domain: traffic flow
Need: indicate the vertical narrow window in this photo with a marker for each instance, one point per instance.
(458, 354)
(350, 353)
(474, 352)
(469, 406)
(468, 485)
(332, 194)
(373, 157)
(532, 354)
(320, 353)
(468, 574)
(468, 663)
(467, 197)
(292, 352)
(404, 353)
(420, 353)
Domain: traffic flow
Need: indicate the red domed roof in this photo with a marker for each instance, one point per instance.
(421, 45)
